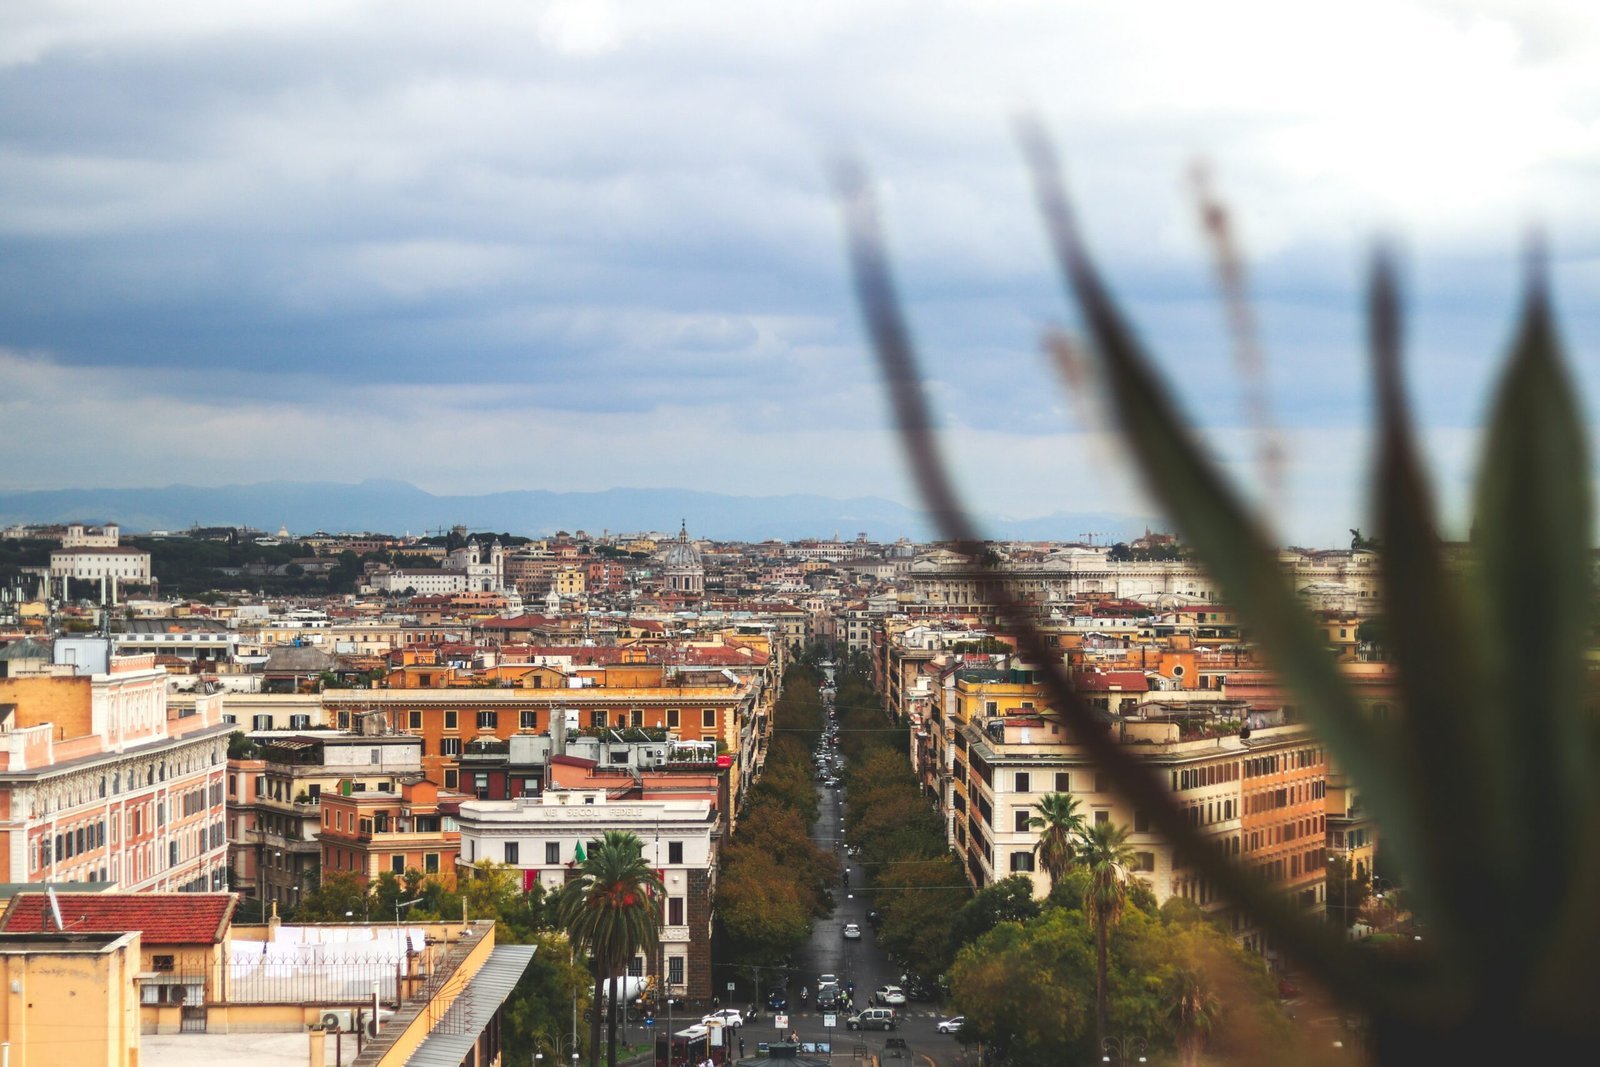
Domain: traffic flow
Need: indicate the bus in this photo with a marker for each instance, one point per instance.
(691, 1047)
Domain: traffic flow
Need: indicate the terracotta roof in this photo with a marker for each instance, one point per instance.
(160, 918)
(1129, 681)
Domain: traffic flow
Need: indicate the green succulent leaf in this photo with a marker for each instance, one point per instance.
(1444, 732)
(1235, 550)
(1532, 539)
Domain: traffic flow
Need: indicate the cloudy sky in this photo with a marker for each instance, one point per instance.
(492, 245)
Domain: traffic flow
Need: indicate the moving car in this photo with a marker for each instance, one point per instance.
(889, 994)
(952, 1026)
(873, 1019)
(830, 998)
(729, 1017)
(776, 1001)
(852, 932)
(826, 980)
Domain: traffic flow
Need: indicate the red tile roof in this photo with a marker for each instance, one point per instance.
(161, 918)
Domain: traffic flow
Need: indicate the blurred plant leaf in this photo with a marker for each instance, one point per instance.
(1354, 977)
(1234, 549)
(1443, 731)
(1532, 536)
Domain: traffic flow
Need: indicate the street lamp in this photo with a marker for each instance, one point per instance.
(1126, 1050)
(407, 904)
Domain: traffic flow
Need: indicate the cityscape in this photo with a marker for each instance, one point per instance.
(854, 533)
(261, 806)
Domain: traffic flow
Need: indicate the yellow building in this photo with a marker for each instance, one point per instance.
(71, 998)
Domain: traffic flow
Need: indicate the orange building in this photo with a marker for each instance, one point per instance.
(395, 830)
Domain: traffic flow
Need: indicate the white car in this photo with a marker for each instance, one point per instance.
(852, 932)
(952, 1026)
(729, 1017)
(890, 995)
(827, 979)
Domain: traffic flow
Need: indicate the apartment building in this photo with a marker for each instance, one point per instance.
(100, 780)
(1259, 793)
(276, 795)
(398, 829)
(546, 836)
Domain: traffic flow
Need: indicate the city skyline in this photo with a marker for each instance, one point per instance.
(578, 246)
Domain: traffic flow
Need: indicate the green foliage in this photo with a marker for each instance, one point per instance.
(1008, 900)
(340, 898)
(241, 747)
(773, 880)
(1060, 825)
(612, 911)
(1347, 893)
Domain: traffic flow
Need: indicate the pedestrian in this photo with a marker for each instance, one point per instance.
(741, 1048)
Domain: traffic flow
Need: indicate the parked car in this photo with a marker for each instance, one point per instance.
(729, 1017)
(873, 1019)
(852, 932)
(895, 1048)
(889, 994)
(952, 1026)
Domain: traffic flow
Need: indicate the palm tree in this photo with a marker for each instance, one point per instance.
(1062, 825)
(613, 910)
(1103, 848)
(1192, 1006)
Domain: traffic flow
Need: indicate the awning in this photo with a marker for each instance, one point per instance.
(451, 1039)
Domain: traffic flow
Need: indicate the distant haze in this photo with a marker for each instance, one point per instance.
(396, 507)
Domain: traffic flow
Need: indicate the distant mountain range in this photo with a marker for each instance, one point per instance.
(396, 507)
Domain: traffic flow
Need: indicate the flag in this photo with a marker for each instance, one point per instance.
(577, 853)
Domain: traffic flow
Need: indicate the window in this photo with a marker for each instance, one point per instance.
(449, 746)
(430, 863)
(1063, 782)
(1021, 824)
(416, 720)
(512, 852)
(1144, 861)
(451, 778)
(488, 720)
(1102, 817)
(1024, 782)
(672, 718)
(597, 719)
(449, 720)
(674, 911)
(1100, 785)
(529, 720)
(552, 853)
(708, 718)
(162, 963)
(397, 864)
(261, 722)
(674, 970)
(1021, 861)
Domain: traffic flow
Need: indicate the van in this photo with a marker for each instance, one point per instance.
(873, 1019)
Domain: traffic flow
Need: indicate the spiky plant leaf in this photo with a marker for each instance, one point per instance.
(1235, 550)
(1443, 730)
(1532, 539)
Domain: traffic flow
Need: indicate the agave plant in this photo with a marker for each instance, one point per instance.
(1484, 786)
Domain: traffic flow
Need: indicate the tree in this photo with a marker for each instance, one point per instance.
(1061, 824)
(1052, 959)
(1347, 892)
(340, 896)
(612, 910)
(1192, 1008)
(917, 901)
(1107, 856)
(1008, 900)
